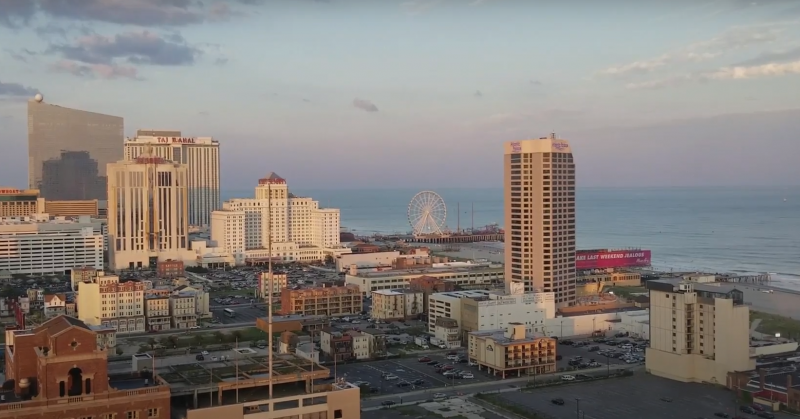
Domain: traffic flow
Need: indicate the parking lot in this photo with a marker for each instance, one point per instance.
(244, 313)
(567, 352)
(409, 370)
(639, 396)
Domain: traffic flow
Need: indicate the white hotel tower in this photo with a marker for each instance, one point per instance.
(199, 154)
(147, 212)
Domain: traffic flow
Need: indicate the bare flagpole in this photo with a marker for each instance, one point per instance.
(236, 362)
(269, 287)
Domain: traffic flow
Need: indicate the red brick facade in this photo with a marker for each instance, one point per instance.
(169, 269)
(58, 371)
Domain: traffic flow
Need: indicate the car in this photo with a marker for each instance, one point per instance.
(419, 381)
(467, 375)
(765, 415)
(390, 377)
(213, 358)
(200, 357)
(424, 359)
(666, 399)
(747, 409)
(722, 415)
(758, 407)
(194, 327)
(452, 357)
(403, 384)
(559, 357)
(388, 403)
(567, 377)
(204, 353)
(439, 396)
(558, 401)
(472, 363)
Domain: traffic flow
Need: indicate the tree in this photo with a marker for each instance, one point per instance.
(197, 340)
(219, 337)
(152, 343)
(173, 341)
(119, 351)
(236, 335)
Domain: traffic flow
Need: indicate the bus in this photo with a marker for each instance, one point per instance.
(229, 312)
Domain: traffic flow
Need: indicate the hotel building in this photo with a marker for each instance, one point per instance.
(512, 351)
(68, 150)
(105, 301)
(698, 332)
(148, 213)
(38, 244)
(201, 157)
(301, 231)
(19, 203)
(539, 187)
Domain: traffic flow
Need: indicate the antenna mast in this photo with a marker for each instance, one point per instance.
(269, 287)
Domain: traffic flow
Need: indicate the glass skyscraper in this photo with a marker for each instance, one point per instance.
(68, 150)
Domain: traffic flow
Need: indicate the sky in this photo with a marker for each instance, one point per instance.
(344, 94)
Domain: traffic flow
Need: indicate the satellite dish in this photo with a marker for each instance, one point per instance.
(39, 98)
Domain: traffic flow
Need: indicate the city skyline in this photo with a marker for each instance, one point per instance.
(438, 84)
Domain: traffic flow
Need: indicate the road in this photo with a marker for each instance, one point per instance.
(209, 328)
(509, 384)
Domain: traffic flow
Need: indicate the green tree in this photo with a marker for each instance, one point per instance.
(236, 336)
(119, 351)
(219, 337)
(152, 342)
(173, 341)
(197, 340)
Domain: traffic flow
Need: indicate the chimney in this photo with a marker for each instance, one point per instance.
(515, 331)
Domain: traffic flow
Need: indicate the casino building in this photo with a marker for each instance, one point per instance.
(201, 157)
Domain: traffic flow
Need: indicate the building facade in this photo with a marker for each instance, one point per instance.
(157, 312)
(58, 370)
(539, 188)
(37, 244)
(148, 213)
(75, 208)
(321, 301)
(182, 310)
(68, 150)
(397, 304)
(462, 275)
(497, 310)
(298, 229)
(200, 155)
(512, 352)
(20, 203)
(698, 332)
(105, 301)
(279, 282)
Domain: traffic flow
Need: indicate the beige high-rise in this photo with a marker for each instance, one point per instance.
(539, 189)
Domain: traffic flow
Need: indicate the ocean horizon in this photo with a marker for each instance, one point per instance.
(713, 229)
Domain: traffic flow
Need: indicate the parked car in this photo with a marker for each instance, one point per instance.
(567, 378)
(558, 401)
(747, 409)
(387, 403)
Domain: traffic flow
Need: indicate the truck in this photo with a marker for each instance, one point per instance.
(438, 342)
(422, 342)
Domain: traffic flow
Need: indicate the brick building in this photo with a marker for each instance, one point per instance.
(169, 269)
(57, 370)
(322, 301)
(429, 285)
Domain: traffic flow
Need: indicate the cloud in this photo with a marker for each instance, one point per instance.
(416, 7)
(773, 57)
(725, 73)
(16, 89)
(132, 47)
(536, 82)
(103, 71)
(365, 105)
(478, 93)
(145, 13)
(736, 38)
(22, 55)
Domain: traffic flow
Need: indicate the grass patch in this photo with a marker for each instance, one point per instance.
(504, 404)
(772, 324)
(227, 291)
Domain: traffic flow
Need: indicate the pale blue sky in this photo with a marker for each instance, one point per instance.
(648, 92)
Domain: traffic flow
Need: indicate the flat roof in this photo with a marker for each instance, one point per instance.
(426, 271)
(499, 336)
(396, 291)
(462, 294)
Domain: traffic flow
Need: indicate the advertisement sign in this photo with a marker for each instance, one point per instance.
(516, 147)
(602, 259)
(560, 146)
(176, 140)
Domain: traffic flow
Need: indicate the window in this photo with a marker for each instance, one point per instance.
(132, 414)
(337, 414)
(152, 412)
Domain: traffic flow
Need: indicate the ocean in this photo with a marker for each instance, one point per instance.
(739, 230)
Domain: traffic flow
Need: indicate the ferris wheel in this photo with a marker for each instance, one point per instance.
(427, 213)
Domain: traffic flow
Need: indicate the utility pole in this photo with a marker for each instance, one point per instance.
(458, 218)
(270, 288)
(473, 218)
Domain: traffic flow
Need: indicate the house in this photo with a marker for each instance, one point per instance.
(55, 305)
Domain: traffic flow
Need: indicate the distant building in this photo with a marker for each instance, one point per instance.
(68, 150)
(19, 203)
(200, 155)
(59, 370)
(105, 301)
(511, 352)
(321, 301)
(397, 304)
(539, 188)
(698, 332)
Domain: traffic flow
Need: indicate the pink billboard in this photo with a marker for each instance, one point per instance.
(603, 259)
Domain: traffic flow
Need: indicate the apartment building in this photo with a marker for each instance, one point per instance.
(279, 282)
(102, 300)
(182, 310)
(496, 310)
(202, 299)
(462, 274)
(448, 331)
(168, 269)
(20, 203)
(336, 344)
(297, 228)
(397, 304)
(512, 352)
(698, 332)
(539, 185)
(157, 312)
(322, 301)
(43, 245)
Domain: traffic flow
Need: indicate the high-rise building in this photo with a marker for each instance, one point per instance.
(201, 157)
(17, 203)
(147, 212)
(68, 150)
(539, 189)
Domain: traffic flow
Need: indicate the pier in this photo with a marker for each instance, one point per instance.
(469, 238)
(744, 279)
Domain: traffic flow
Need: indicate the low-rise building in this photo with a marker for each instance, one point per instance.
(322, 301)
(55, 305)
(202, 299)
(156, 312)
(336, 345)
(397, 304)
(464, 275)
(170, 268)
(512, 351)
(698, 332)
(279, 282)
(430, 285)
(182, 310)
(361, 347)
(497, 309)
(104, 300)
(446, 330)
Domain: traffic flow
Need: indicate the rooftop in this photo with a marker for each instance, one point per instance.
(462, 294)
(499, 337)
(427, 271)
(705, 290)
(396, 291)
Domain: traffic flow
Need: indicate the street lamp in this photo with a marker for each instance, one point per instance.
(577, 408)
(608, 366)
